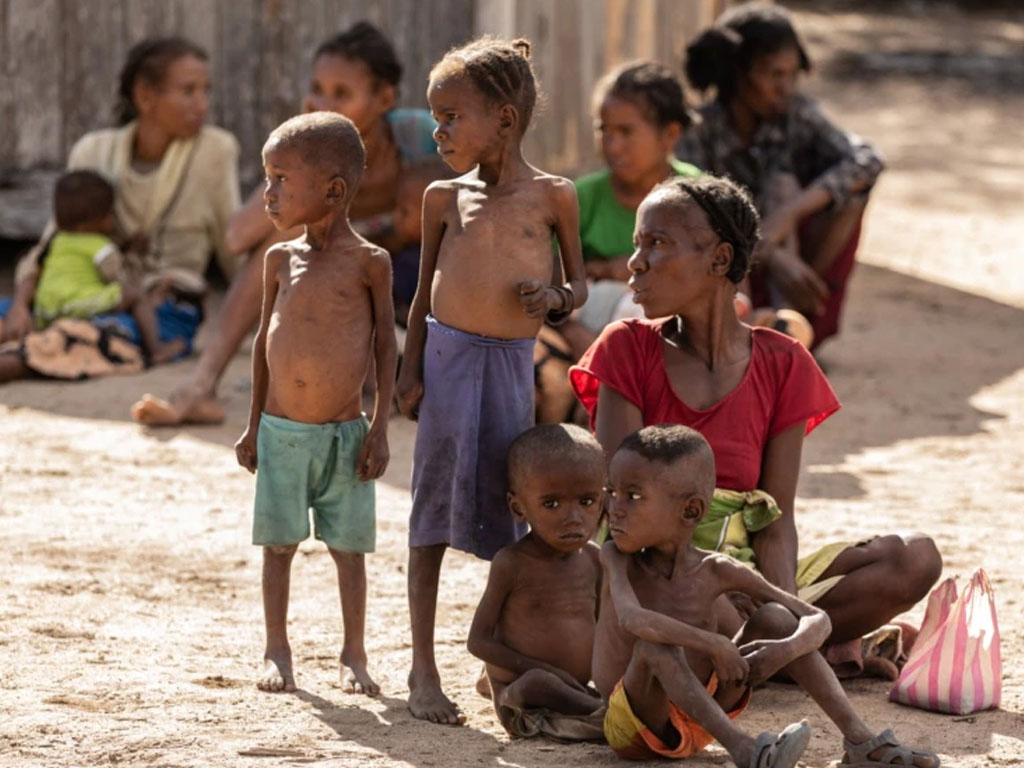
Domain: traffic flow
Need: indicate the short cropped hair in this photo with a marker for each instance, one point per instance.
(730, 212)
(552, 444)
(81, 197)
(668, 443)
(327, 141)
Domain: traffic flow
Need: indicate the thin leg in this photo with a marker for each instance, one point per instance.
(277, 671)
(658, 674)
(426, 699)
(352, 589)
(12, 367)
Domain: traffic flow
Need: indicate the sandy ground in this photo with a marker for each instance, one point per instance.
(130, 619)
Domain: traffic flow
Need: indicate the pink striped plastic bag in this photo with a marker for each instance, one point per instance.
(955, 665)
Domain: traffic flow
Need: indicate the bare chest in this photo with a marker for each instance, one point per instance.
(322, 291)
(514, 225)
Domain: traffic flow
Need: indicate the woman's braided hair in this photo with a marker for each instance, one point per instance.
(501, 70)
(652, 87)
(148, 60)
(730, 212)
(724, 52)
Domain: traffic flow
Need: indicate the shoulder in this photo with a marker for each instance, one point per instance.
(634, 331)
(560, 190)
(216, 142)
(90, 151)
(506, 563)
(441, 192)
(782, 351)
(280, 252)
(593, 553)
(375, 260)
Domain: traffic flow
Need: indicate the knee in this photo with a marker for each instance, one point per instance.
(771, 620)
(923, 564)
(284, 551)
(656, 656)
(914, 564)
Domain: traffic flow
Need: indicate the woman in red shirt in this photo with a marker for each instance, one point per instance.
(752, 392)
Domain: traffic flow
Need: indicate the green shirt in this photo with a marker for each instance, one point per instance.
(606, 226)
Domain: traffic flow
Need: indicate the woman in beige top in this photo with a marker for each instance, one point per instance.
(176, 179)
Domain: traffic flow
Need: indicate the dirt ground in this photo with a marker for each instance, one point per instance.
(130, 618)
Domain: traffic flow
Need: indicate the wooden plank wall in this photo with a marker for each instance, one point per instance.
(574, 43)
(59, 61)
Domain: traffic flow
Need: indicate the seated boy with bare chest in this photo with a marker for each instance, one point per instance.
(673, 682)
(326, 308)
(534, 627)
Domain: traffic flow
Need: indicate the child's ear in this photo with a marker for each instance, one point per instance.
(508, 118)
(694, 509)
(337, 190)
(670, 135)
(721, 259)
(513, 506)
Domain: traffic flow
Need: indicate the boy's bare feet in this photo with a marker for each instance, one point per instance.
(186, 406)
(355, 678)
(428, 702)
(277, 672)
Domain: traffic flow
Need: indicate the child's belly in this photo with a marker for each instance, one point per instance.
(547, 639)
(315, 379)
(479, 292)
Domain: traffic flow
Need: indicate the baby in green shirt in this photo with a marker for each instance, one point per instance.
(83, 272)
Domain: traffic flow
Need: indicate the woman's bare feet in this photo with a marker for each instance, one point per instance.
(277, 672)
(428, 702)
(354, 676)
(185, 406)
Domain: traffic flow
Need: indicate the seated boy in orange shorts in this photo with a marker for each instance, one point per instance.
(673, 683)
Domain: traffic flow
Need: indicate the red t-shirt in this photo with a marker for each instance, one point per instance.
(782, 386)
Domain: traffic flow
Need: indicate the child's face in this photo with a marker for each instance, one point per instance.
(295, 193)
(631, 144)
(561, 503)
(645, 506)
(468, 126)
(348, 87)
(674, 250)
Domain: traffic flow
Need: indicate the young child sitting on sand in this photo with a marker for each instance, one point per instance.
(326, 309)
(484, 290)
(534, 627)
(673, 682)
(83, 273)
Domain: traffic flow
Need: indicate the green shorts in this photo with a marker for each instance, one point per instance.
(312, 466)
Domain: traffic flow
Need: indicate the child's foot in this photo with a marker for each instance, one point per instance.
(781, 751)
(355, 678)
(277, 672)
(885, 750)
(167, 352)
(428, 702)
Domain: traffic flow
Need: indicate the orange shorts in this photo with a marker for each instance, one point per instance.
(630, 738)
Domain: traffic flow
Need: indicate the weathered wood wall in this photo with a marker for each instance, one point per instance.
(59, 61)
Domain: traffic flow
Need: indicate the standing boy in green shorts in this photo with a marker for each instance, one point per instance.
(326, 307)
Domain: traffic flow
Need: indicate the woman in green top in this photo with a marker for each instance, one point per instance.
(639, 114)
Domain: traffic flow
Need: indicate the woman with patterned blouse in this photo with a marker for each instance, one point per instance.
(809, 178)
